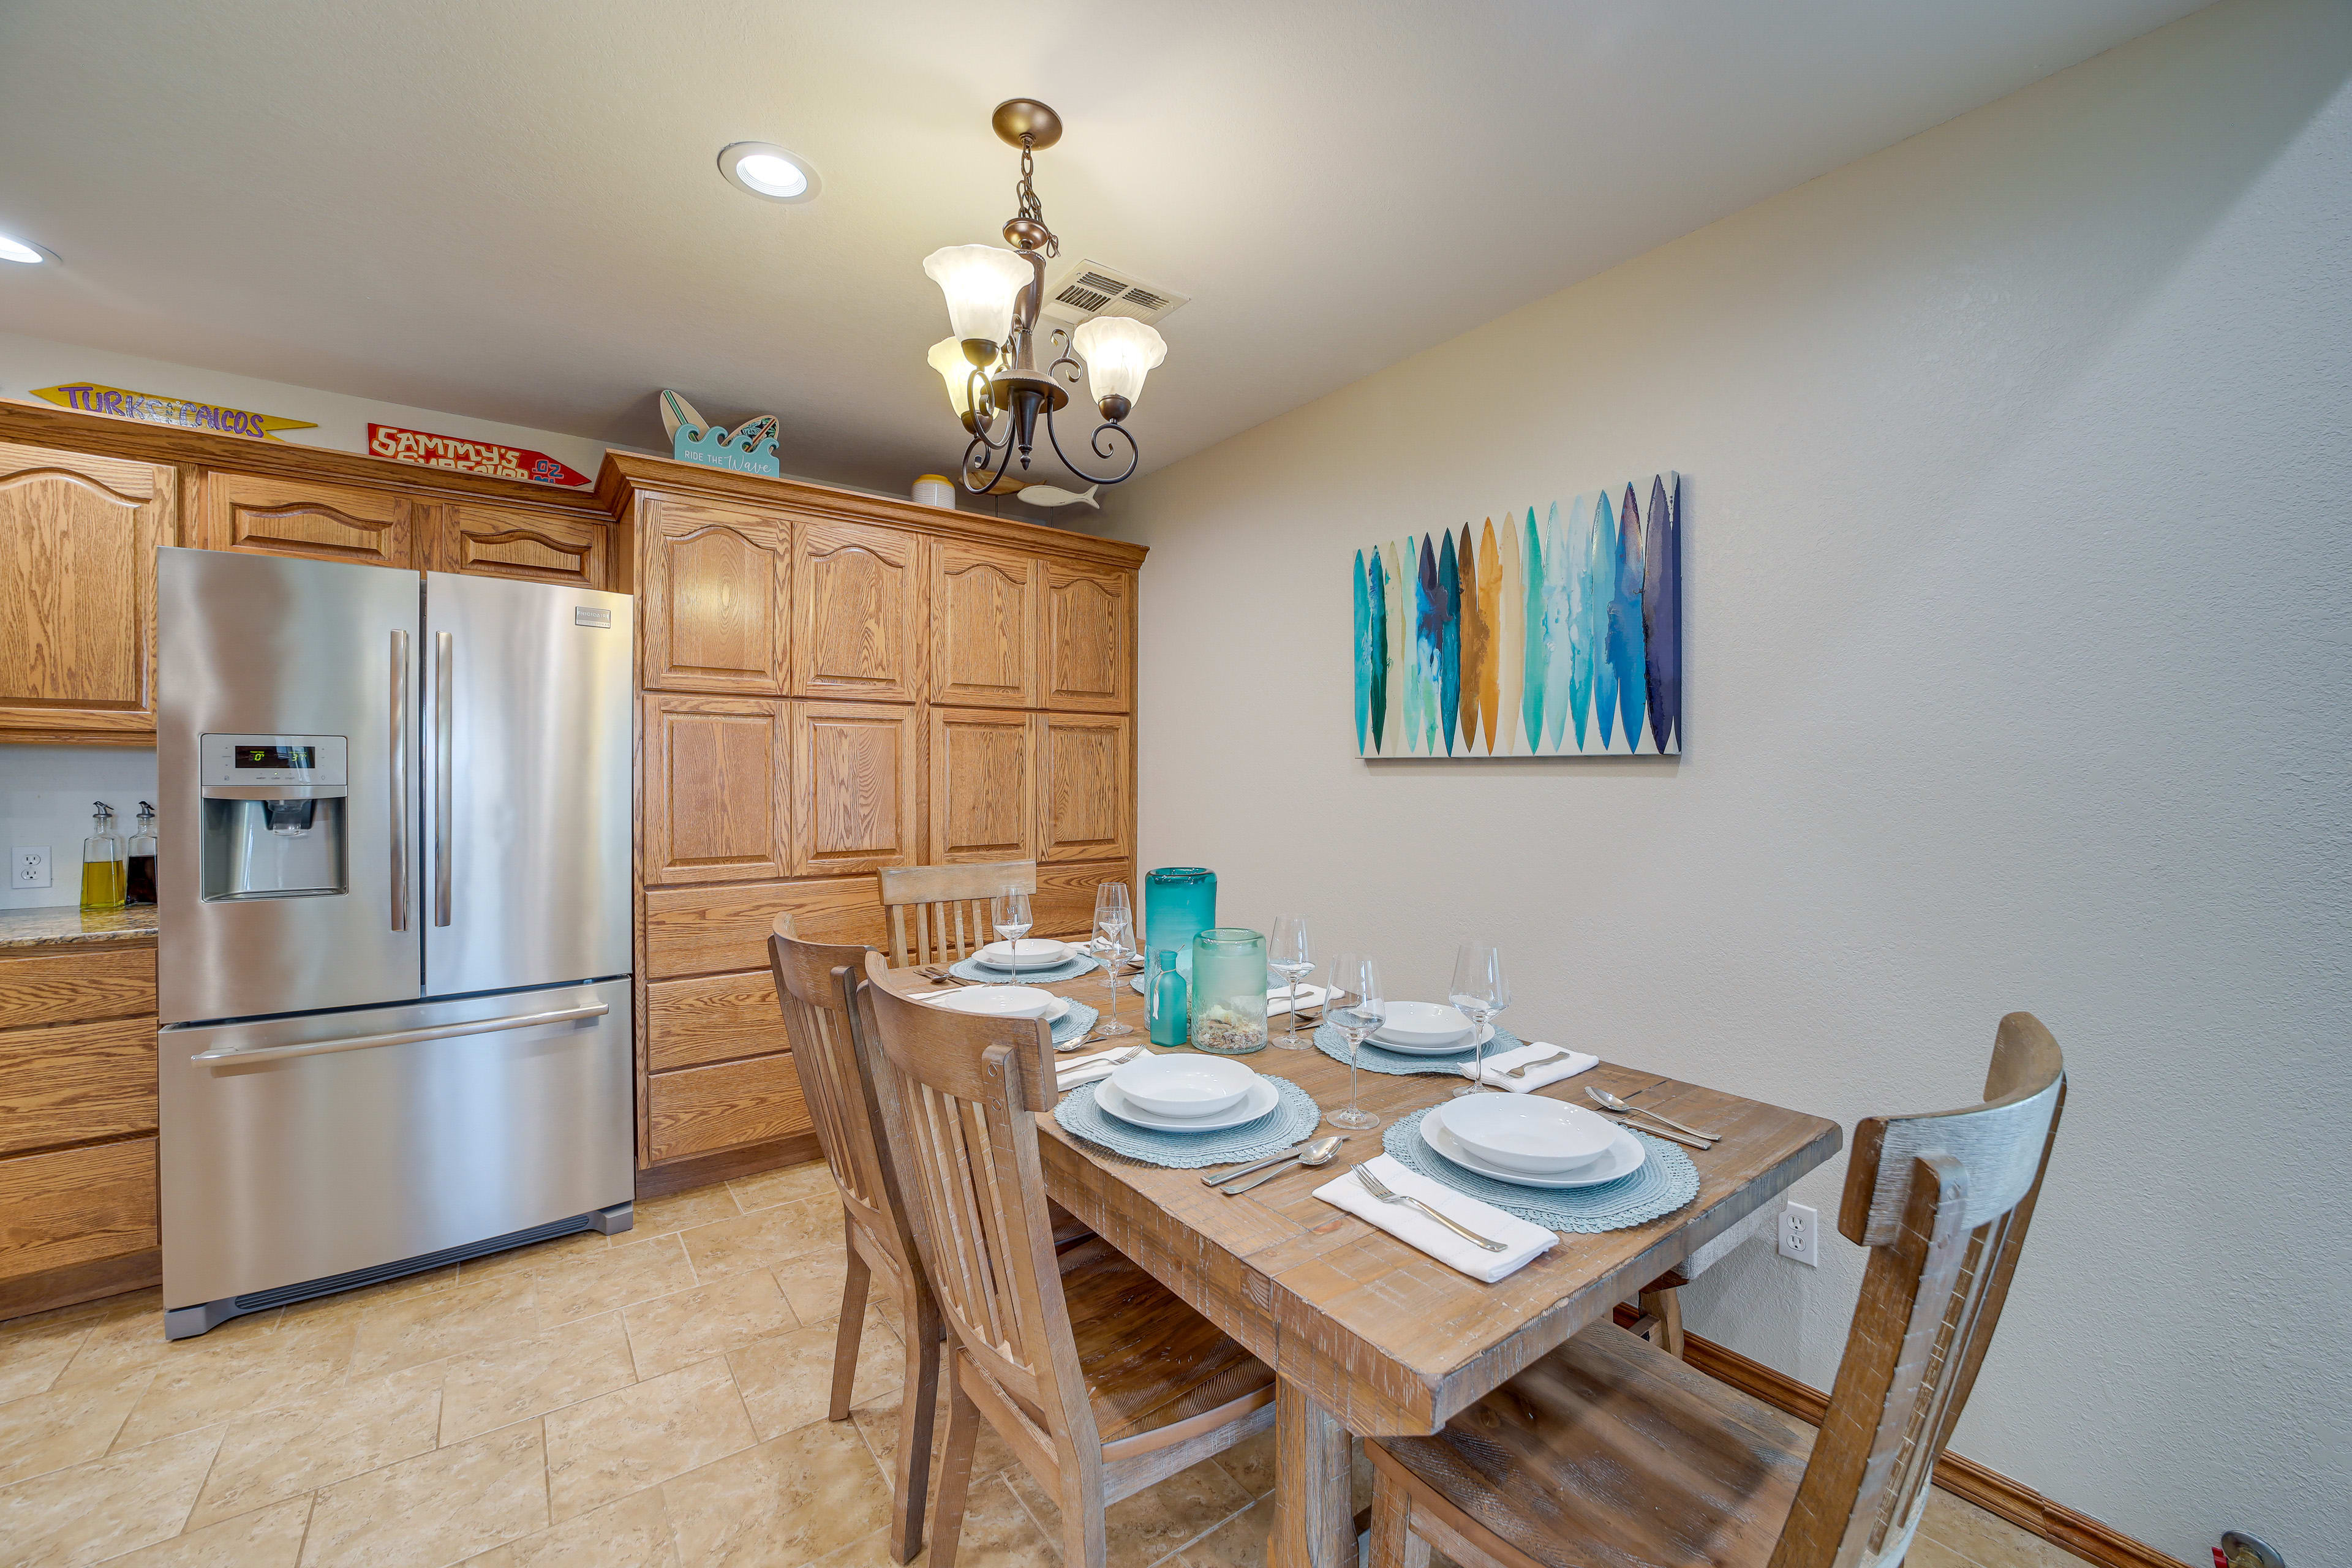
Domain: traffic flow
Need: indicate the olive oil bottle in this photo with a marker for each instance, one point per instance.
(102, 863)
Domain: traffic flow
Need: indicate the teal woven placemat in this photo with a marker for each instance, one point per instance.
(1399, 1064)
(1074, 1022)
(1667, 1180)
(1031, 974)
(1295, 1116)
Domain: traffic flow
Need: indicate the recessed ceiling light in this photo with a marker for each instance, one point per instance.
(17, 250)
(768, 171)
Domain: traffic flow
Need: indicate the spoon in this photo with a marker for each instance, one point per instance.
(1603, 1097)
(1317, 1153)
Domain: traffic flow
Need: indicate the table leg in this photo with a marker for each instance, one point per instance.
(1314, 1525)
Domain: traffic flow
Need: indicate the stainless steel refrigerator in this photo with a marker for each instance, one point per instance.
(394, 904)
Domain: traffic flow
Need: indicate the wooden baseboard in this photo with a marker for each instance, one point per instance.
(1988, 1489)
(701, 1170)
(78, 1282)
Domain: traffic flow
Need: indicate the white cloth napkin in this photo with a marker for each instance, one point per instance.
(1523, 1243)
(1277, 1003)
(1502, 1062)
(1087, 1068)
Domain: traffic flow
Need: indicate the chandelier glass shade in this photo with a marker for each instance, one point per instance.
(990, 361)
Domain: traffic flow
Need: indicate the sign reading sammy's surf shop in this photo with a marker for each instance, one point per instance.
(90, 397)
(470, 456)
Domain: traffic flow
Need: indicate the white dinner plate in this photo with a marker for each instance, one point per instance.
(1003, 1002)
(1262, 1097)
(1422, 1024)
(1460, 1045)
(1623, 1158)
(1037, 952)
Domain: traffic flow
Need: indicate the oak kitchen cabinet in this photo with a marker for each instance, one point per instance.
(834, 683)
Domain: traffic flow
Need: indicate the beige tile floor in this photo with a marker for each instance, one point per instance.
(652, 1400)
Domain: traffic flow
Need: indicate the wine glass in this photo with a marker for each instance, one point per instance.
(1010, 914)
(1355, 1008)
(1481, 992)
(1114, 927)
(1289, 956)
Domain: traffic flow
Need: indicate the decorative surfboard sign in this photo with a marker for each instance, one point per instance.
(1555, 632)
(750, 448)
(90, 397)
(470, 456)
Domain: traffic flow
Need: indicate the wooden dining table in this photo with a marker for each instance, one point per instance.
(1366, 1334)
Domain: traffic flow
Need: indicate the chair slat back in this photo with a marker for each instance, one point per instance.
(1943, 1201)
(959, 1096)
(814, 983)
(950, 905)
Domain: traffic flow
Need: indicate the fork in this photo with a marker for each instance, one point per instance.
(1373, 1185)
(1522, 1070)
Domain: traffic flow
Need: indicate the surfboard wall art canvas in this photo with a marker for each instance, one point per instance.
(1555, 630)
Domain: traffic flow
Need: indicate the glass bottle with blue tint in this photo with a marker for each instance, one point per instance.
(1167, 1005)
(1179, 903)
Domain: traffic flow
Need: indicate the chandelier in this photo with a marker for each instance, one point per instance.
(989, 362)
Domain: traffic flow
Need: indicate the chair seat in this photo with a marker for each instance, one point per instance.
(1150, 1361)
(1609, 1451)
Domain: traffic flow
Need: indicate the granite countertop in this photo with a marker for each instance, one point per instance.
(65, 925)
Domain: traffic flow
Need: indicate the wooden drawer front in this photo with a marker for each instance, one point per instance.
(1088, 634)
(78, 539)
(983, 782)
(516, 541)
(983, 626)
(715, 1018)
(716, 808)
(1085, 802)
(296, 517)
(857, 777)
(718, 583)
(76, 1205)
(702, 930)
(702, 1109)
(76, 987)
(858, 617)
(73, 1082)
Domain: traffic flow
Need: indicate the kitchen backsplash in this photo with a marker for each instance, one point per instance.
(45, 803)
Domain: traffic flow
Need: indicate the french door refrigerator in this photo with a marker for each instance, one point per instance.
(393, 951)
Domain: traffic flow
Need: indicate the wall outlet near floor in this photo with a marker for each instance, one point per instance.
(28, 867)
(1800, 1237)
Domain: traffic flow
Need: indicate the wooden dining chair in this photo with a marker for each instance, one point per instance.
(1098, 1379)
(950, 906)
(814, 986)
(1608, 1450)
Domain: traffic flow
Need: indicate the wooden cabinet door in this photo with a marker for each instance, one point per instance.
(858, 769)
(716, 598)
(858, 614)
(78, 541)
(1086, 793)
(716, 807)
(984, 625)
(983, 770)
(272, 516)
(1087, 648)
(517, 542)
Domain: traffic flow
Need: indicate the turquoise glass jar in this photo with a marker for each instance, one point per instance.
(1179, 903)
(1229, 990)
(1165, 1005)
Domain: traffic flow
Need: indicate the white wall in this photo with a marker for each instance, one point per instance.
(45, 802)
(2015, 471)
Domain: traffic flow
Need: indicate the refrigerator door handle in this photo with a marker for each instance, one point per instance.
(399, 780)
(402, 1037)
(444, 728)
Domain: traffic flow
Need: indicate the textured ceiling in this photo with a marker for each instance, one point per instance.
(509, 209)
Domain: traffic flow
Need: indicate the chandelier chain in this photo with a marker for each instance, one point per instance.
(1025, 195)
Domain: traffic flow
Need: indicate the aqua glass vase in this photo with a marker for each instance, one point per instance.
(1229, 990)
(1179, 903)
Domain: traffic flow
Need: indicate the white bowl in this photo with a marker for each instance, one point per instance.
(1185, 1085)
(1036, 953)
(998, 1001)
(1422, 1024)
(1524, 1133)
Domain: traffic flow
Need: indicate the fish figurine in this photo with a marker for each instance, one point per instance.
(676, 411)
(1052, 495)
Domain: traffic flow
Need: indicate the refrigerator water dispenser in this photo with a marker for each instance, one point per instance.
(274, 814)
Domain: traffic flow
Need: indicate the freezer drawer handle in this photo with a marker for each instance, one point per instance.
(400, 781)
(404, 1036)
(443, 727)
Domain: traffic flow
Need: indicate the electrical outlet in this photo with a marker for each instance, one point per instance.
(1800, 1235)
(28, 867)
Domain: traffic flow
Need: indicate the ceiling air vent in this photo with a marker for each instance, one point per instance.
(1080, 290)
